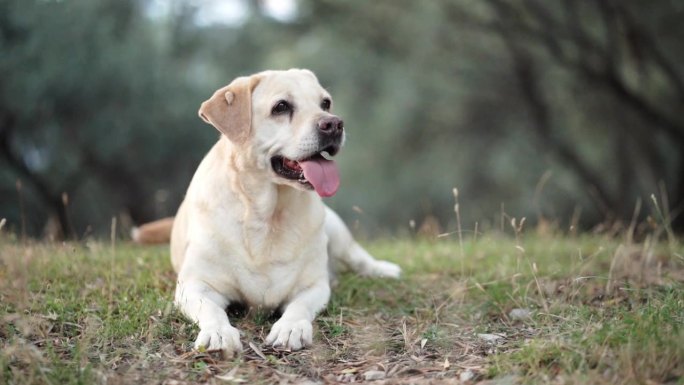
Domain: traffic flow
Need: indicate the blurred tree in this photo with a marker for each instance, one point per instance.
(532, 107)
(610, 56)
(92, 112)
(596, 86)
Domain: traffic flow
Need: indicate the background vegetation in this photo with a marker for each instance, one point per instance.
(560, 111)
(566, 113)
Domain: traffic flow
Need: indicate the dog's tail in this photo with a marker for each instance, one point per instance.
(152, 233)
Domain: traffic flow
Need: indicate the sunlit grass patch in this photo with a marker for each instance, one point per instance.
(637, 340)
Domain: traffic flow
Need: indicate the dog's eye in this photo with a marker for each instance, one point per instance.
(325, 104)
(282, 107)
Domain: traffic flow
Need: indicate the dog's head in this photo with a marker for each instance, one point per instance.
(283, 121)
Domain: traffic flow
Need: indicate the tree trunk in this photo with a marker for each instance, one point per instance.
(50, 199)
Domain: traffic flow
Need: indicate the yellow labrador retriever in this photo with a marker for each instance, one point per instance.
(253, 228)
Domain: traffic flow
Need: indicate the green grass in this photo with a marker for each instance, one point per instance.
(602, 310)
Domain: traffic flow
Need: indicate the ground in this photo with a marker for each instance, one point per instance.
(492, 309)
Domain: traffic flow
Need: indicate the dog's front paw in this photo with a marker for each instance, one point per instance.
(291, 334)
(221, 337)
(385, 269)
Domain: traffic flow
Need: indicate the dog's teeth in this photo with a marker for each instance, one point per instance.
(325, 155)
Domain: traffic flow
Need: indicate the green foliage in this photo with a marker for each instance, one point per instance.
(553, 109)
(96, 106)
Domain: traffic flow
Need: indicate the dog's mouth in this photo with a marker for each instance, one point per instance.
(318, 171)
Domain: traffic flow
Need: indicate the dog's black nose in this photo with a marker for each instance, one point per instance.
(331, 125)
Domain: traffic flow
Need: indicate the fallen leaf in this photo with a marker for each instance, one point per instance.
(230, 376)
(258, 351)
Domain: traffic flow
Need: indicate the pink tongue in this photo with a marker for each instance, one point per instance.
(323, 175)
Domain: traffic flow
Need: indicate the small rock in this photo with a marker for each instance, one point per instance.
(490, 337)
(520, 314)
(373, 375)
(466, 376)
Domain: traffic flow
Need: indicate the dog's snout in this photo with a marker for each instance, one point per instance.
(331, 125)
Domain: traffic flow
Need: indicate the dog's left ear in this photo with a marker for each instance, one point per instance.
(230, 109)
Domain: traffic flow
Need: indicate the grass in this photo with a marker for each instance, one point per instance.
(592, 309)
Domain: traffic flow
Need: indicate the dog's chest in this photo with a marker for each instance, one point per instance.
(269, 288)
(266, 254)
(265, 263)
(272, 278)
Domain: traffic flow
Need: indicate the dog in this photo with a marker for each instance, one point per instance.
(252, 228)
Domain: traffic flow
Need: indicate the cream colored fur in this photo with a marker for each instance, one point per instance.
(245, 235)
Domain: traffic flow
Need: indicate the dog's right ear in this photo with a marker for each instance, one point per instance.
(230, 109)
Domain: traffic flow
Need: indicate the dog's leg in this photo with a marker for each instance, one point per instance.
(203, 305)
(343, 248)
(294, 329)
